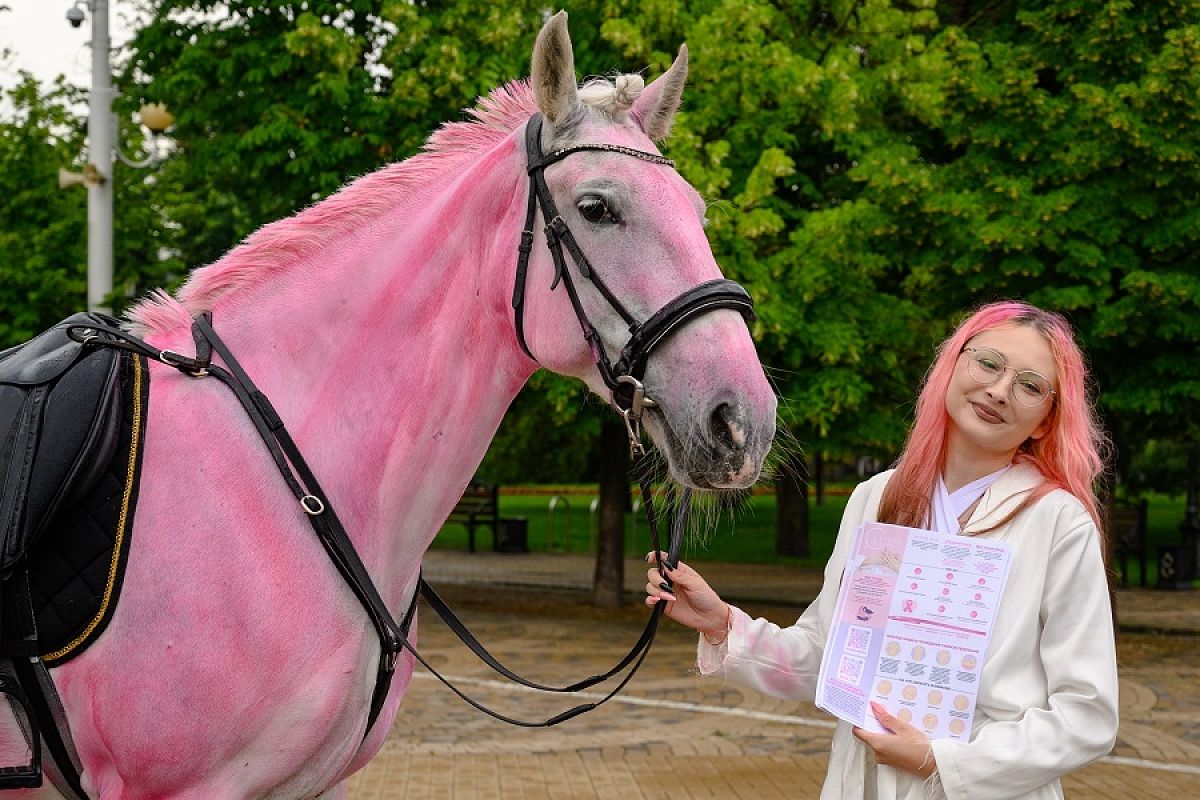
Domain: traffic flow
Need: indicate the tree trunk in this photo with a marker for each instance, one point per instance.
(791, 515)
(820, 458)
(608, 582)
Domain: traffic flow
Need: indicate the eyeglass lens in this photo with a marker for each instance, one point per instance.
(986, 366)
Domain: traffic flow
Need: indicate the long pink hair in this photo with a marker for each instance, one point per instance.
(1069, 456)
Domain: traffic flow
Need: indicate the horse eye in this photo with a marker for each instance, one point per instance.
(595, 210)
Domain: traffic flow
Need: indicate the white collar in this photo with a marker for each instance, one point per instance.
(947, 507)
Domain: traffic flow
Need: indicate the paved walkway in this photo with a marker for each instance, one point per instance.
(673, 734)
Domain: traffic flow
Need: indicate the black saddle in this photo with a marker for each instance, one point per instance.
(60, 423)
(60, 409)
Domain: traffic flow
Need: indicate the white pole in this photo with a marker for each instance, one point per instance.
(100, 153)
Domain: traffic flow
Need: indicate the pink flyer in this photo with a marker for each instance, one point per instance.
(911, 627)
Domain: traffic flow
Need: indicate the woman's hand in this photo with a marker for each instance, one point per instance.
(905, 748)
(690, 601)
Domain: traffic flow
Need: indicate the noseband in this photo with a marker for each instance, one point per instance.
(623, 378)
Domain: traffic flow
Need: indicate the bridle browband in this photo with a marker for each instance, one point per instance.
(623, 378)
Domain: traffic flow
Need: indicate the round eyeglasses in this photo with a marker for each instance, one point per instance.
(986, 366)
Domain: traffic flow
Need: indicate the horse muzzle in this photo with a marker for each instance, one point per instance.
(721, 447)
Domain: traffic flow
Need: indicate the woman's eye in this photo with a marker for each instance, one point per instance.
(595, 210)
(989, 364)
(1031, 388)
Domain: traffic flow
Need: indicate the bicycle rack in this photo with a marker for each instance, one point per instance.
(556, 501)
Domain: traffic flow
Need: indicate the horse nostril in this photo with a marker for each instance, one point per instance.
(726, 428)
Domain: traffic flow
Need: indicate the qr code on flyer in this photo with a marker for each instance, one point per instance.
(858, 640)
(851, 669)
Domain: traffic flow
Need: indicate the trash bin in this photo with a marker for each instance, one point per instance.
(1177, 566)
(512, 535)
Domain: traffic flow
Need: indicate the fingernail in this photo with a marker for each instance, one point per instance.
(666, 587)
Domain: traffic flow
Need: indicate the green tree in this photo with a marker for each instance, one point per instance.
(1071, 179)
(43, 238)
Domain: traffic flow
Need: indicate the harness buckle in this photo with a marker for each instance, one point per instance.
(526, 245)
(188, 366)
(639, 401)
(555, 227)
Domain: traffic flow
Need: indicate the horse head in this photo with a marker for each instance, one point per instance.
(639, 227)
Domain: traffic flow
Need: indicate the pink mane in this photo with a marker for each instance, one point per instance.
(278, 245)
(1068, 456)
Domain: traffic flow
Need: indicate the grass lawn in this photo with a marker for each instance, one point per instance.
(745, 535)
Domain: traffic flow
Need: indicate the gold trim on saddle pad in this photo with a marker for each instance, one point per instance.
(119, 549)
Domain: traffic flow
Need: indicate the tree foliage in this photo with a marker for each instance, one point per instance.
(873, 168)
(43, 234)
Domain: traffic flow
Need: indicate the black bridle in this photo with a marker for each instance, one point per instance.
(624, 380)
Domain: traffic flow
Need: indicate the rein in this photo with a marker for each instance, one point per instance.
(623, 378)
(393, 637)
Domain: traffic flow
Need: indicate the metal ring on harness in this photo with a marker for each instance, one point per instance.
(312, 505)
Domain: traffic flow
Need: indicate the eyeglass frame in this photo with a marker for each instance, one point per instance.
(1016, 373)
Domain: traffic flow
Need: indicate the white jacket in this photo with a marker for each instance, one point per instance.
(1047, 701)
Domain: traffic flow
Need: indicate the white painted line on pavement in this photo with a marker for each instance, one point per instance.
(786, 719)
(644, 701)
(1190, 769)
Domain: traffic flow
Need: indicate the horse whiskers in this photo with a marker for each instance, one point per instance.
(781, 460)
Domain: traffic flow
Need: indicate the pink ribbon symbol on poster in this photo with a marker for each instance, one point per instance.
(913, 618)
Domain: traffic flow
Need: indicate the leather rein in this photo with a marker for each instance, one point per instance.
(623, 378)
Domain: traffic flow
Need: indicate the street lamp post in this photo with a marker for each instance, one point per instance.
(100, 155)
(103, 149)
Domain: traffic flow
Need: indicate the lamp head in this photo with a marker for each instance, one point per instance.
(156, 117)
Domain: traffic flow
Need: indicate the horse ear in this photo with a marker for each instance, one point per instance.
(553, 71)
(656, 106)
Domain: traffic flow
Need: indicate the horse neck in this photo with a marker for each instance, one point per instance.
(391, 356)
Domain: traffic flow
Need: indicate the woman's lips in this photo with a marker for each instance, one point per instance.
(986, 414)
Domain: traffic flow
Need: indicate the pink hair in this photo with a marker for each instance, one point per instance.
(1069, 456)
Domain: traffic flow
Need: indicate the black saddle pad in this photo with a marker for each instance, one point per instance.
(76, 569)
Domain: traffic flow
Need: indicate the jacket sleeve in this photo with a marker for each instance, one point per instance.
(1078, 723)
(785, 662)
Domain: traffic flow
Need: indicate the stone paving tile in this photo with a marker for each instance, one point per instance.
(442, 748)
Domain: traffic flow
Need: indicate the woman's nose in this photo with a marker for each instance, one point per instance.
(1002, 388)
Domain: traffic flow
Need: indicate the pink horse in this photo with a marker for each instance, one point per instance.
(380, 322)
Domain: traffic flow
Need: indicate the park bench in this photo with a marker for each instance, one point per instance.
(479, 505)
(1127, 533)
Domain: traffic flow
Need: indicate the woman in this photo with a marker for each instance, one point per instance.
(1004, 446)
